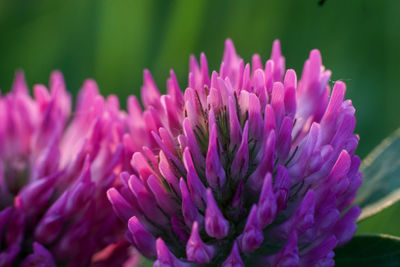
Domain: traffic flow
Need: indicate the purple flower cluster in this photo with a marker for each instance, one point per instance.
(248, 165)
(55, 168)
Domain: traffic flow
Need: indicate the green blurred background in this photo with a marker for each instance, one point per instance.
(113, 41)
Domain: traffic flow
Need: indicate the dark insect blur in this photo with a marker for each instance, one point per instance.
(321, 2)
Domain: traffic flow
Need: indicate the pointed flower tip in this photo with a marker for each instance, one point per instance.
(215, 223)
(56, 79)
(40, 257)
(146, 74)
(165, 257)
(187, 159)
(119, 204)
(19, 74)
(91, 85)
(290, 78)
(228, 42)
(203, 59)
(315, 52)
(193, 65)
(289, 254)
(111, 193)
(189, 211)
(229, 51)
(303, 218)
(182, 184)
(241, 161)
(163, 253)
(276, 49)
(19, 83)
(339, 85)
(150, 93)
(267, 203)
(57, 73)
(144, 240)
(316, 58)
(259, 79)
(215, 173)
(276, 42)
(134, 224)
(252, 236)
(196, 249)
(234, 259)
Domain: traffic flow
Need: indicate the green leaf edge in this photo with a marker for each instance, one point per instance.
(390, 199)
(382, 236)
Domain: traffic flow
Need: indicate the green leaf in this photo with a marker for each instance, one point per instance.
(369, 250)
(381, 182)
(384, 222)
(146, 262)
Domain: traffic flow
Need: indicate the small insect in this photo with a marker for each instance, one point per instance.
(321, 2)
(332, 82)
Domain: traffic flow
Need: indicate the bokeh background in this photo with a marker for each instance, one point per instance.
(112, 41)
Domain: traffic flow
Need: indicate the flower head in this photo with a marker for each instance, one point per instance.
(55, 168)
(247, 165)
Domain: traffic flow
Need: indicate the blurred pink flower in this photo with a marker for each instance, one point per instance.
(55, 168)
